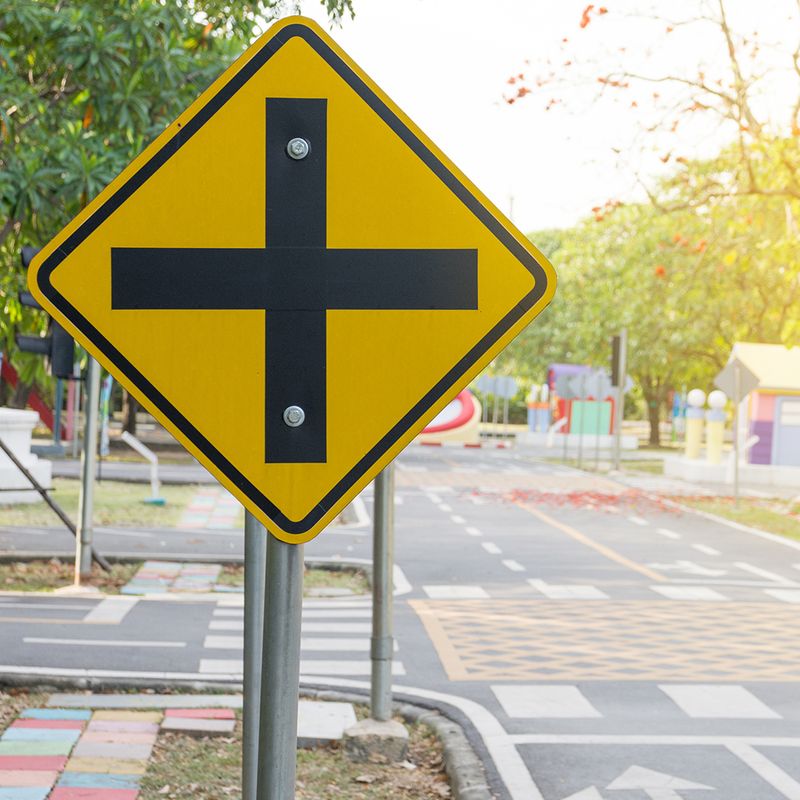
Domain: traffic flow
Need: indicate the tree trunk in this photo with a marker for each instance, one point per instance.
(654, 417)
(130, 405)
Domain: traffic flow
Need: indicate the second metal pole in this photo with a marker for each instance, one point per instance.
(255, 564)
(280, 679)
(382, 643)
(83, 553)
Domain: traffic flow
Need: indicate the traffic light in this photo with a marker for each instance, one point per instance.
(58, 346)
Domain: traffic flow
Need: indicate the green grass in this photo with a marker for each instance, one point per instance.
(772, 516)
(655, 467)
(15, 701)
(44, 576)
(185, 768)
(352, 579)
(115, 503)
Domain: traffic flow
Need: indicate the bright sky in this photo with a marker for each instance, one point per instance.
(446, 63)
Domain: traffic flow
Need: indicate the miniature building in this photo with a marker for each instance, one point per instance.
(773, 409)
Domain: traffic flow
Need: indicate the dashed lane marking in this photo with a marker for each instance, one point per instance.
(491, 548)
(514, 566)
(567, 591)
(668, 533)
(706, 550)
(473, 531)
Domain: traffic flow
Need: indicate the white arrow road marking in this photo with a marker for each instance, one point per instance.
(591, 793)
(688, 567)
(657, 785)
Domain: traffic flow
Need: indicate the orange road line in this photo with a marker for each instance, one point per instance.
(448, 655)
(613, 555)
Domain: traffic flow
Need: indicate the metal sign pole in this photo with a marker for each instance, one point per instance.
(255, 564)
(737, 392)
(280, 681)
(382, 643)
(619, 408)
(83, 552)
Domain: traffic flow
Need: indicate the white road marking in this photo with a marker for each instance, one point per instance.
(337, 627)
(706, 550)
(637, 520)
(102, 642)
(714, 701)
(444, 507)
(567, 591)
(215, 666)
(111, 611)
(656, 785)
(458, 520)
(443, 592)
(689, 593)
(434, 498)
(491, 547)
(228, 612)
(473, 532)
(784, 595)
(589, 793)
(668, 533)
(226, 625)
(514, 566)
(766, 769)
(544, 702)
(762, 573)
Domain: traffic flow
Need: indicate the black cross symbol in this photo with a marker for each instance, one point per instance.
(295, 279)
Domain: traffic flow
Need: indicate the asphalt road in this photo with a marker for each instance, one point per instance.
(599, 644)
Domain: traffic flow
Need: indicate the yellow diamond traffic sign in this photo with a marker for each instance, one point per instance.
(293, 279)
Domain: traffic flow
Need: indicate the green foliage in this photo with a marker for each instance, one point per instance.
(686, 283)
(84, 86)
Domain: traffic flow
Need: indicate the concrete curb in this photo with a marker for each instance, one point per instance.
(462, 764)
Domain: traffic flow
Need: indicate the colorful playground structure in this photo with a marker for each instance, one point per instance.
(768, 431)
(458, 422)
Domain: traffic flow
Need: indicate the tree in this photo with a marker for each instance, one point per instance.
(84, 86)
(710, 256)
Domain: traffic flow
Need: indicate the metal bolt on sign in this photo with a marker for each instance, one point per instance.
(298, 148)
(294, 416)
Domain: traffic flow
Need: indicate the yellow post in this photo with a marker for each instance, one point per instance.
(715, 426)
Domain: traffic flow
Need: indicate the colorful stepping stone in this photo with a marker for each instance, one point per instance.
(60, 748)
(199, 727)
(127, 716)
(56, 713)
(115, 765)
(201, 713)
(84, 793)
(122, 727)
(39, 735)
(26, 777)
(119, 737)
(99, 780)
(33, 762)
(24, 793)
(49, 724)
(111, 750)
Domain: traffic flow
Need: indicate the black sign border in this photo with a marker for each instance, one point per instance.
(186, 131)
